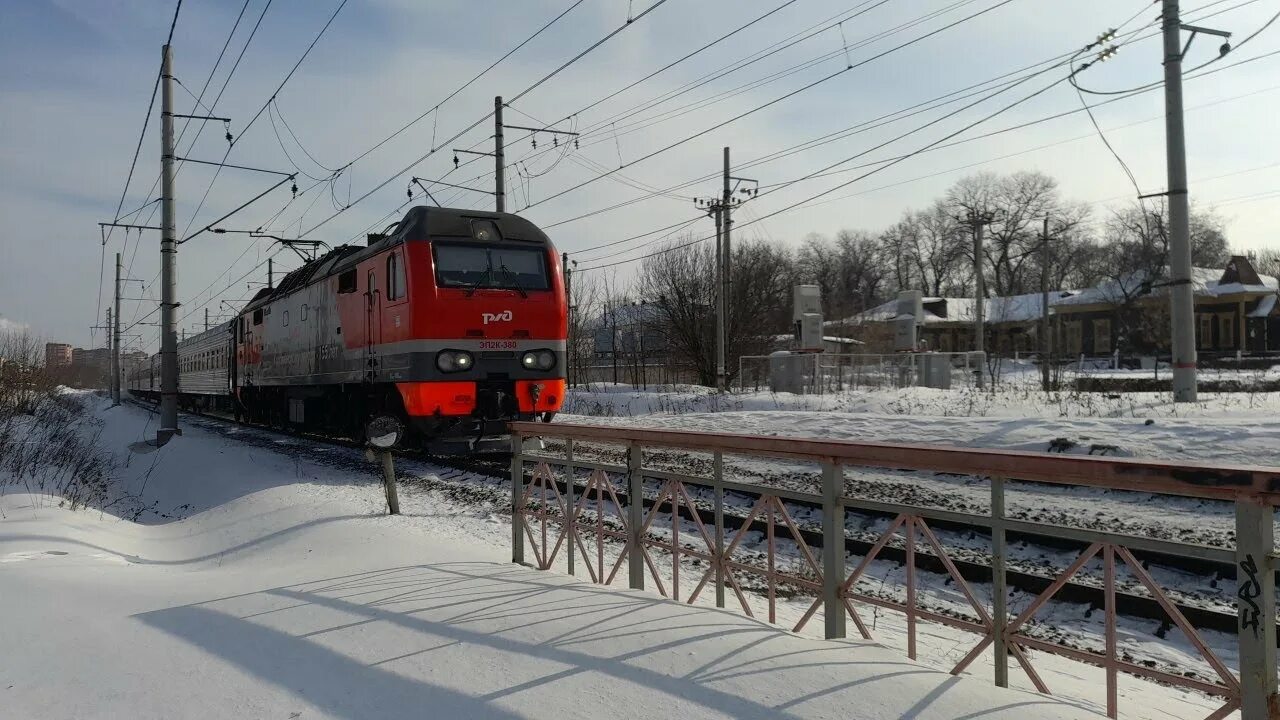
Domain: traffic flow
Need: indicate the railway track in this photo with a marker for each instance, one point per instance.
(485, 479)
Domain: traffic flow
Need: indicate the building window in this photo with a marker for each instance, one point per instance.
(1204, 329)
(1073, 336)
(1102, 336)
(1226, 332)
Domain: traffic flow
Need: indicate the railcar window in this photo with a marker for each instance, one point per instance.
(286, 318)
(304, 313)
(347, 281)
(490, 266)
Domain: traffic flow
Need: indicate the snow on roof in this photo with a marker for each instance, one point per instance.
(1205, 282)
(1015, 308)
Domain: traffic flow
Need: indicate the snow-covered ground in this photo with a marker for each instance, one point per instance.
(1241, 428)
(264, 581)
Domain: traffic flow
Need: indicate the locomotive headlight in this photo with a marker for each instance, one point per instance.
(538, 360)
(454, 361)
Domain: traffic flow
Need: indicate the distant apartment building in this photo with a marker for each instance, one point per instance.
(57, 355)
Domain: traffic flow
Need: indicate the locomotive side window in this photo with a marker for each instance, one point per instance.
(395, 277)
(286, 318)
(304, 313)
(347, 281)
(490, 266)
(257, 316)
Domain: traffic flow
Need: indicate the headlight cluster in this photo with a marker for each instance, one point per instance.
(454, 361)
(538, 360)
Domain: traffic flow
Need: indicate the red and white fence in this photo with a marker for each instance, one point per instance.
(575, 509)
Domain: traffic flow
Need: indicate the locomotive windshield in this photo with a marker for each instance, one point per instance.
(490, 266)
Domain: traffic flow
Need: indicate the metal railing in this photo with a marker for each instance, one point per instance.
(604, 515)
(837, 372)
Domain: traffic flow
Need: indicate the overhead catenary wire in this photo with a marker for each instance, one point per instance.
(200, 126)
(870, 172)
(859, 127)
(781, 98)
(486, 117)
(263, 109)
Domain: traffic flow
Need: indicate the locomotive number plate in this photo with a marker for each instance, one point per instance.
(498, 345)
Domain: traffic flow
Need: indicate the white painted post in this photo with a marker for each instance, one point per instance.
(833, 566)
(1256, 608)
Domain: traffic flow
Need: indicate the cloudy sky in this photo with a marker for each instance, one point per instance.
(76, 77)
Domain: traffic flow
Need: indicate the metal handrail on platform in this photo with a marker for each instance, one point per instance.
(595, 513)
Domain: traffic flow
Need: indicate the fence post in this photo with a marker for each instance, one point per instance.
(517, 498)
(999, 591)
(635, 513)
(832, 548)
(1256, 607)
(718, 488)
(569, 529)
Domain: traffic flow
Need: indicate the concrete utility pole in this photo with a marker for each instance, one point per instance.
(726, 262)
(1046, 341)
(1182, 312)
(115, 341)
(721, 301)
(168, 263)
(111, 352)
(977, 221)
(499, 178)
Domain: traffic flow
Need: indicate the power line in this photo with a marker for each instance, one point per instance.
(146, 120)
(864, 175)
(262, 109)
(464, 86)
(791, 94)
(200, 127)
(893, 161)
(487, 116)
(862, 127)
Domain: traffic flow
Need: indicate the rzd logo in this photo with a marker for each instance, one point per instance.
(504, 316)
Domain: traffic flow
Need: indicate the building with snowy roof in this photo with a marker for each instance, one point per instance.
(946, 324)
(1235, 310)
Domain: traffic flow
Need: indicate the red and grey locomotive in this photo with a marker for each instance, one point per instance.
(450, 323)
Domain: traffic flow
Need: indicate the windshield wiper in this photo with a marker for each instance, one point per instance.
(514, 281)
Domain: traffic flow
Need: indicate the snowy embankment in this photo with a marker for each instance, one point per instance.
(283, 592)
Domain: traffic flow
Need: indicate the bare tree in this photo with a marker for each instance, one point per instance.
(1266, 262)
(681, 285)
(862, 272)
